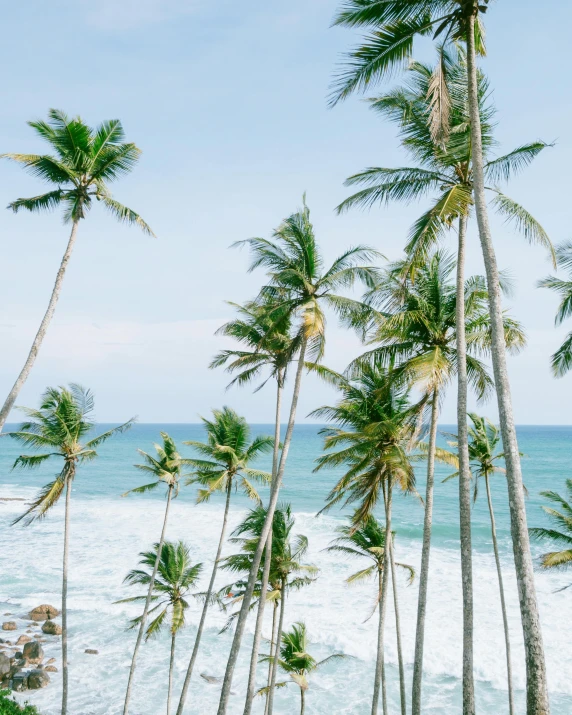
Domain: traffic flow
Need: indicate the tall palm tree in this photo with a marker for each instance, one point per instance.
(295, 661)
(167, 468)
(561, 534)
(562, 358)
(224, 465)
(393, 26)
(368, 540)
(85, 160)
(300, 288)
(176, 576)
(60, 424)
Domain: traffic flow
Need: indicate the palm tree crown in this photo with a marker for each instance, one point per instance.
(562, 358)
(561, 534)
(167, 467)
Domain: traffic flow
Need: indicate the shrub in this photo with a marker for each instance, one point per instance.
(9, 706)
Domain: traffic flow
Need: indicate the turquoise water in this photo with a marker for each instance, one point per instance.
(108, 532)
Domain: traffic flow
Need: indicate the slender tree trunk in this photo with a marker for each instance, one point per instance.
(243, 614)
(387, 498)
(398, 633)
(425, 553)
(267, 560)
(69, 480)
(33, 354)
(147, 602)
(277, 649)
(171, 665)
(536, 684)
(464, 480)
(302, 701)
(198, 637)
(502, 600)
(273, 645)
(379, 657)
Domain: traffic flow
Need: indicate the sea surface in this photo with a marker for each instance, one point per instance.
(109, 531)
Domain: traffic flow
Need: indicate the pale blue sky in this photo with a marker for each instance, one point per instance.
(227, 102)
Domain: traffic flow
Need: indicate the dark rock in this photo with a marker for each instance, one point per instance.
(9, 626)
(51, 628)
(33, 652)
(20, 682)
(4, 665)
(91, 651)
(18, 655)
(38, 679)
(43, 612)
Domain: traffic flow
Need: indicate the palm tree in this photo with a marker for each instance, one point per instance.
(225, 462)
(561, 533)
(166, 468)
(368, 540)
(296, 662)
(85, 161)
(64, 418)
(393, 26)
(562, 358)
(176, 576)
(299, 287)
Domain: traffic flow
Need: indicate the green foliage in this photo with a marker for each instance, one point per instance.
(9, 706)
(561, 534)
(167, 467)
(562, 358)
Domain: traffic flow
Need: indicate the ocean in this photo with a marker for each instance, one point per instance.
(109, 531)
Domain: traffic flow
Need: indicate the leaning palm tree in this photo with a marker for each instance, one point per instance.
(60, 424)
(167, 468)
(561, 534)
(299, 287)
(562, 358)
(175, 578)
(368, 540)
(393, 26)
(85, 160)
(295, 661)
(225, 464)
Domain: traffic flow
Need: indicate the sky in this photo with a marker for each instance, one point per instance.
(228, 103)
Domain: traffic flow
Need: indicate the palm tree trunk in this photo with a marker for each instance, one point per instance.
(464, 480)
(65, 593)
(171, 664)
(243, 614)
(387, 498)
(536, 685)
(147, 602)
(267, 560)
(206, 604)
(302, 701)
(273, 645)
(503, 604)
(398, 633)
(33, 354)
(277, 649)
(425, 553)
(379, 656)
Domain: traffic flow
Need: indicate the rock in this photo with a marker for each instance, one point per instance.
(20, 682)
(9, 626)
(51, 669)
(210, 678)
(91, 651)
(43, 612)
(23, 639)
(38, 679)
(50, 661)
(51, 628)
(19, 655)
(33, 652)
(4, 665)
(7, 613)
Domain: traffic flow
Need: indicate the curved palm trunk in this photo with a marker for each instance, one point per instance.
(425, 553)
(302, 701)
(536, 686)
(503, 604)
(146, 608)
(403, 696)
(464, 480)
(277, 648)
(171, 664)
(243, 614)
(33, 354)
(267, 561)
(273, 644)
(383, 580)
(206, 605)
(65, 593)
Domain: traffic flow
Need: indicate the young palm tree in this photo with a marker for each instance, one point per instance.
(168, 468)
(224, 465)
(295, 661)
(561, 533)
(84, 161)
(393, 25)
(368, 540)
(562, 358)
(64, 418)
(175, 578)
(300, 288)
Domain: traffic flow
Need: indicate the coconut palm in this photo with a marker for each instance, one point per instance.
(393, 26)
(368, 540)
(175, 578)
(562, 358)
(60, 424)
(561, 534)
(85, 160)
(224, 465)
(300, 288)
(167, 468)
(295, 661)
